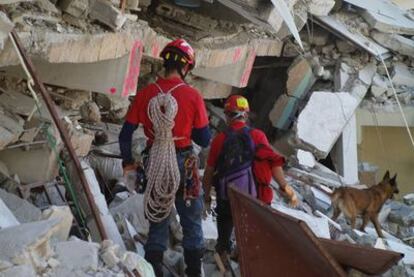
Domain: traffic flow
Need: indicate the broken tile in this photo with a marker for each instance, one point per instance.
(23, 210)
(104, 12)
(78, 255)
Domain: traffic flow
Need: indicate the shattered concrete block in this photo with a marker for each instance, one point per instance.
(74, 99)
(319, 36)
(305, 158)
(5, 27)
(7, 219)
(104, 12)
(77, 8)
(367, 73)
(78, 254)
(379, 85)
(133, 210)
(358, 89)
(133, 261)
(395, 42)
(65, 215)
(23, 210)
(110, 255)
(320, 7)
(11, 127)
(344, 46)
(90, 112)
(19, 271)
(342, 75)
(116, 105)
(28, 243)
(403, 75)
(409, 199)
(321, 116)
(401, 214)
(210, 89)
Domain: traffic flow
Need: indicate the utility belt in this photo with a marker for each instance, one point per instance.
(188, 164)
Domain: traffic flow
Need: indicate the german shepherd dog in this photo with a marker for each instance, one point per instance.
(365, 202)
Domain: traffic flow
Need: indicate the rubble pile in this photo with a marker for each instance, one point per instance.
(92, 55)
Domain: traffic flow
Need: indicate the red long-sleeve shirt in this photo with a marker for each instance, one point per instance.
(265, 159)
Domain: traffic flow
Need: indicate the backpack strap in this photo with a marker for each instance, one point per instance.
(171, 89)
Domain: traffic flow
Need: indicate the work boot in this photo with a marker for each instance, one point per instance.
(155, 259)
(192, 260)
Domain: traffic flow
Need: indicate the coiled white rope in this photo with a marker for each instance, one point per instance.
(162, 170)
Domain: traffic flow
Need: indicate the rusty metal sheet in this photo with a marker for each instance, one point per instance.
(274, 244)
(364, 258)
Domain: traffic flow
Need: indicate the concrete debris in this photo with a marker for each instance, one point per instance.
(401, 214)
(90, 112)
(7, 218)
(367, 73)
(403, 75)
(320, 115)
(305, 158)
(19, 271)
(65, 215)
(5, 27)
(76, 8)
(74, 99)
(78, 255)
(379, 85)
(342, 76)
(395, 42)
(24, 211)
(11, 127)
(116, 106)
(104, 12)
(320, 7)
(409, 199)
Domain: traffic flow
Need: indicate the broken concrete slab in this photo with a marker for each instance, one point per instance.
(402, 75)
(379, 85)
(132, 209)
(116, 106)
(367, 73)
(104, 12)
(211, 89)
(342, 76)
(305, 158)
(21, 162)
(23, 210)
(28, 243)
(236, 74)
(19, 271)
(76, 8)
(339, 28)
(7, 219)
(11, 127)
(78, 254)
(385, 16)
(395, 42)
(320, 7)
(74, 99)
(321, 116)
(65, 215)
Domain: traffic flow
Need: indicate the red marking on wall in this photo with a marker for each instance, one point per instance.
(237, 55)
(134, 66)
(155, 49)
(112, 90)
(248, 69)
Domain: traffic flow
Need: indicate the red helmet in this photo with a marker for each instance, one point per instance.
(236, 104)
(179, 49)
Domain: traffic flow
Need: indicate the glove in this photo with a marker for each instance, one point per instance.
(290, 193)
(127, 168)
(206, 206)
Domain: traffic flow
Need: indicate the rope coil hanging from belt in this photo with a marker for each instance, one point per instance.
(162, 171)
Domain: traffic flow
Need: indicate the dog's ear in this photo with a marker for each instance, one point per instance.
(393, 179)
(386, 176)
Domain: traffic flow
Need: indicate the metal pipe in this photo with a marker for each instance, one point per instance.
(63, 133)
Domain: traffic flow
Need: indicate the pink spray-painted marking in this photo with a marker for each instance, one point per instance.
(134, 66)
(237, 55)
(112, 90)
(248, 69)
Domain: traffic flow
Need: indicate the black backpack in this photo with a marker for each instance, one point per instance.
(234, 166)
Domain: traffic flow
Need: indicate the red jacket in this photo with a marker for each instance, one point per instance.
(265, 159)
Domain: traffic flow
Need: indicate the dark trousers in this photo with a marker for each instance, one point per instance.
(224, 226)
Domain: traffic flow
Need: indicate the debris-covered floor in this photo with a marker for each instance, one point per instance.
(306, 80)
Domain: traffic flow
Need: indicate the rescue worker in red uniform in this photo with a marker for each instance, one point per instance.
(265, 165)
(191, 123)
